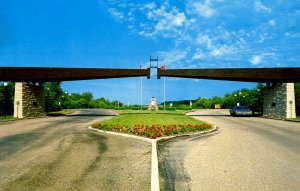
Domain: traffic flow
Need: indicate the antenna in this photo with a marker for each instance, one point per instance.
(153, 60)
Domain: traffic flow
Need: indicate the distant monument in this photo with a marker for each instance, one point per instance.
(153, 105)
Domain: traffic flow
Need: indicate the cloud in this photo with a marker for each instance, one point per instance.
(212, 31)
(198, 55)
(212, 46)
(172, 58)
(166, 21)
(203, 9)
(272, 22)
(116, 14)
(205, 41)
(256, 59)
(222, 50)
(258, 6)
(151, 5)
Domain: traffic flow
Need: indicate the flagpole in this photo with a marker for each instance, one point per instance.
(164, 93)
(141, 93)
(141, 90)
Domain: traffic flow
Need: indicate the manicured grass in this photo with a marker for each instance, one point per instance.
(7, 118)
(296, 119)
(60, 113)
(152, 124)
(131, 118)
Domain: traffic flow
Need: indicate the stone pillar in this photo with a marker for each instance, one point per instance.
(29, 100)
(279, 101)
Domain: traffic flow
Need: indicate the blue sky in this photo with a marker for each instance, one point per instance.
(122, 34)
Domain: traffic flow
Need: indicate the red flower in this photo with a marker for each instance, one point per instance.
(153, 137)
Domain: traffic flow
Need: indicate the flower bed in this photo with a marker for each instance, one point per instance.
(153, 131)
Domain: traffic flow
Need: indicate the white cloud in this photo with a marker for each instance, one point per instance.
(212, 45)
(172, 58)
(116, 14)
(272, 22)
(258, 6)
(221, 51)
(198, 55)
(205, 40)
(256, 59)
(151, 5)
(167, 19)
(203, 9)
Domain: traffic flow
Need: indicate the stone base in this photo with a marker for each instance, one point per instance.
(29, 100)
(279, 101)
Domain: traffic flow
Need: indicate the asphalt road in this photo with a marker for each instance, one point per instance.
(60, 153)
(246, 153)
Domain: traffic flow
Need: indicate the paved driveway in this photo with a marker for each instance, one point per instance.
(60, 153)
(247, 153)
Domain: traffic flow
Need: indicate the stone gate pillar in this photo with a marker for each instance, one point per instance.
(279, 101)
(29, 100)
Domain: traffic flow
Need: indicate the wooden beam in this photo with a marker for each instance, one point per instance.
(266, 75)
(38, 74)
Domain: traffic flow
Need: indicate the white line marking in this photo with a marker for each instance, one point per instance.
(154, 159)
(154, 168)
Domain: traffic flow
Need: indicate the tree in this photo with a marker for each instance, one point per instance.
(53, 96)
(7, 98)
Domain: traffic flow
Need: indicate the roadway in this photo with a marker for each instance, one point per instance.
(60, 153)
(246, 153)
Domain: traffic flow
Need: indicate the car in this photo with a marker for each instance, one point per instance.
(241, 111)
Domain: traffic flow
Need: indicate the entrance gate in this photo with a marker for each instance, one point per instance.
(279, 100)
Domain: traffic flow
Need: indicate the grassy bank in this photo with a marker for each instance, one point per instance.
(7, 118)
(152, 124)
(296, 119)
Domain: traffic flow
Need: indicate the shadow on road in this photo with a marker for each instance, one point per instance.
(213, 115)
(89, 115)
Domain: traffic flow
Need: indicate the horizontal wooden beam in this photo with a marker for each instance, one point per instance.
(38, 74)
(265, 75)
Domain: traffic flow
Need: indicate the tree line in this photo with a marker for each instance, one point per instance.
(56, 99)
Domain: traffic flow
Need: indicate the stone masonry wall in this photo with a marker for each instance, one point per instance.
(279, 101)
(31, 100)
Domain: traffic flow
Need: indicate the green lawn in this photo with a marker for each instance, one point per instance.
(7, 118)
(152, 124)
(296, 119)
(131, 118)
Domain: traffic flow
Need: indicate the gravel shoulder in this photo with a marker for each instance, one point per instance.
(62, 154)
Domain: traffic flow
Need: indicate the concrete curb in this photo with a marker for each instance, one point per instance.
(154, 143)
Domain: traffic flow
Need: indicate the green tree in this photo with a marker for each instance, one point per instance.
(203, 103)
(53, 96)
(7, 98)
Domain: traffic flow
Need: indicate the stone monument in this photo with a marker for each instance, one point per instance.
(153, 105)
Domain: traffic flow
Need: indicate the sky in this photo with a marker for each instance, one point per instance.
(123, 34)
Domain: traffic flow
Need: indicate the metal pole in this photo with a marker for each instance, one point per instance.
(141, 93)
(164, 93)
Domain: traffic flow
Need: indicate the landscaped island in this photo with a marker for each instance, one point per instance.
(152, 124)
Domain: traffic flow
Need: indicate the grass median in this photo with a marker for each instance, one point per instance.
(152, 124)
